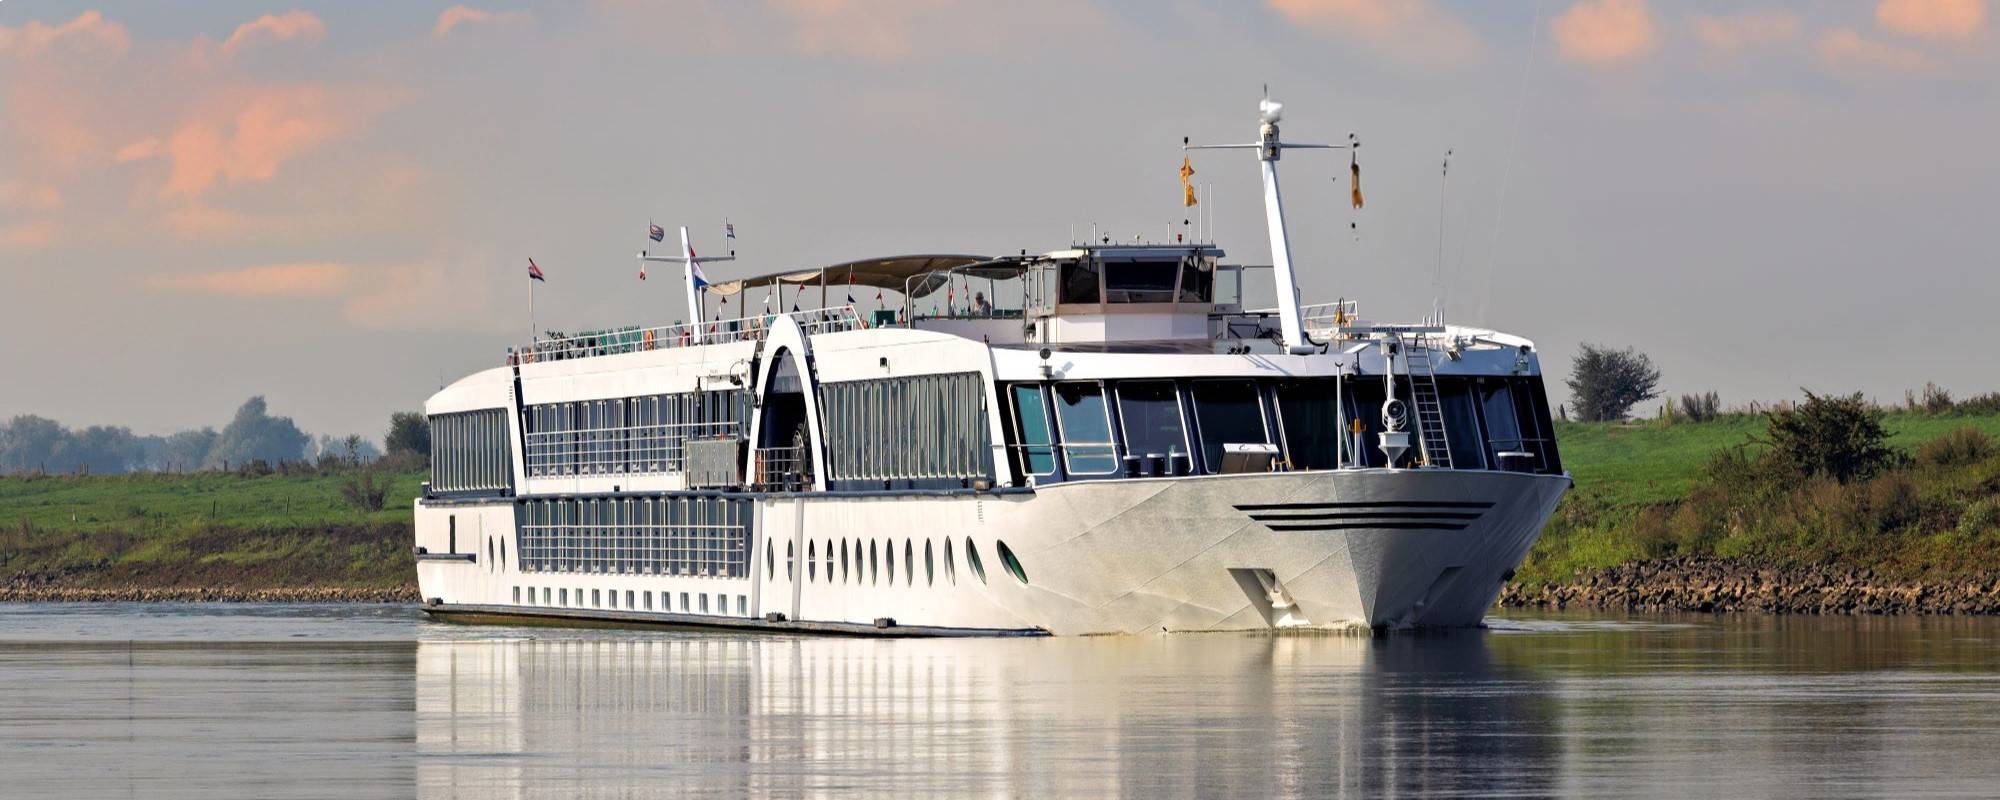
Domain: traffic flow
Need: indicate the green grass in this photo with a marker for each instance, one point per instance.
(1627, 471)
(204, 529)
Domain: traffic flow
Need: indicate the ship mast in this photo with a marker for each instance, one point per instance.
(1268, 148)
(687, 259)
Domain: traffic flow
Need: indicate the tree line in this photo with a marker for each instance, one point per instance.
(36, 444)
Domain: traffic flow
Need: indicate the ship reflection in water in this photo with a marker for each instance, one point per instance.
(1629, 709)
(223, 700)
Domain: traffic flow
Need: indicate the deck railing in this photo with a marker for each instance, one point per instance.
(636, 340)
(1323, 321)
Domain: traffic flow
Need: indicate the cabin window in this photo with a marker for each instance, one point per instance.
(1079, 283)
(1503, 428)
(1139, 281)
(1150, 412)
(1086, 429)
(1461, 424)
(1031, 420)
(1227, 412)
(1197, 281)
(470, 453)
(1310, 423)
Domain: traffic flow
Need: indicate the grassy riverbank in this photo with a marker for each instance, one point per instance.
(212, 530)
(1647, 491)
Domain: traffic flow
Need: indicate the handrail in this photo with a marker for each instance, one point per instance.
(832, 319)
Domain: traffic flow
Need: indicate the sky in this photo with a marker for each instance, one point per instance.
(332, 203)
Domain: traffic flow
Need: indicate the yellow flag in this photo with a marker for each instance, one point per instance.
(1354, 175)
(1187, 189)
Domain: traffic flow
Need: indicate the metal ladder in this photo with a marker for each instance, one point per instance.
(1430, 412)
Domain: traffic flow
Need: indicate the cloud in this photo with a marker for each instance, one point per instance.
(248, 134)
(1844, 49)
(1738, 32)
(27, 235)
(874, 31)
(87, 33)
(467, 15)
(1605, 31)
(1935, 19)
(1406, 30)
(268, 280)
(276, 28)
(31, 197)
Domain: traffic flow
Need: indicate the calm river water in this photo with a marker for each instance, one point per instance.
(215, 701)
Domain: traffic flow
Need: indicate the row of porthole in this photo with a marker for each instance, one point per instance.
(869, 569)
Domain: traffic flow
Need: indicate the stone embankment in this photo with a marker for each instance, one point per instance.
(1714, 584)
(206, 594)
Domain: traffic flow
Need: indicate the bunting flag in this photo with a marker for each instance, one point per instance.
(655, 232)
(535, 272)
(850, 287)
(1354, 178)
(642, 270)
(729, 230)
(1187, 189)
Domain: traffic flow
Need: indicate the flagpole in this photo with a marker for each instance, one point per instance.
(532, 336)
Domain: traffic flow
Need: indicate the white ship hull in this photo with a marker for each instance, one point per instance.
(1341, 548)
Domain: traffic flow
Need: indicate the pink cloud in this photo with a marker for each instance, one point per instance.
(247, 135)
(1936, 19)
(268, 280)
(32, 197)
(467, 15)
(1845, 49)
(875, 31)
(1407, 30)
(27, 235)
(1605, 31)
(88, 32)
(1738, 32)
(276, 28)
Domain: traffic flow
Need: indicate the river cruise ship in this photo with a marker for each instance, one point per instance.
(1126, 448)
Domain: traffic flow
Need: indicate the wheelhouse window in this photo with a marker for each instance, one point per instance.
(1227, 412)
(1311, 423)
(1197, 281)
(1031, 421)
(1079, 283)
(1139, 281)
(1150, 412)
(1086, 429)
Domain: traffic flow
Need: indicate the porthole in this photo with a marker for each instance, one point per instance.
(1008, 560)
(829, 561)
(843, 559)
(909, 563)
(874, 562)
(889, 555)
(930, 565)
(972, 560)
(791, 563)
(812, 562)
(770, 561)
(950, 569)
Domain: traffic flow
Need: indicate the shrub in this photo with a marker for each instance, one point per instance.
(1701, 407)
(1966, 445)
(363, 492)
(1605, 384)
(1982, 404)
(1980, 517)
(1838, 437)
(1936, 399)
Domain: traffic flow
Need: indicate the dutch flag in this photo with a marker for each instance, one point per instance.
(535, 272)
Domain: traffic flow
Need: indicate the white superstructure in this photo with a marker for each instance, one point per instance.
(1116, 447)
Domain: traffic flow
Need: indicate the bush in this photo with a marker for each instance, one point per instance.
(1701, 407)
(1966, 445)
(1980, 517)
(1981, 404)
(1838, 437)
(409, 435)
(1604, 384)
(363, 492)
(1936, 399)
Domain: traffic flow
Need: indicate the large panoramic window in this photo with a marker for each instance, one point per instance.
(1311, 423)
(1086, 429)
(1031, 420)
(1079, 283)
(1150, 412)
(1139, 281)
(1227, 412)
